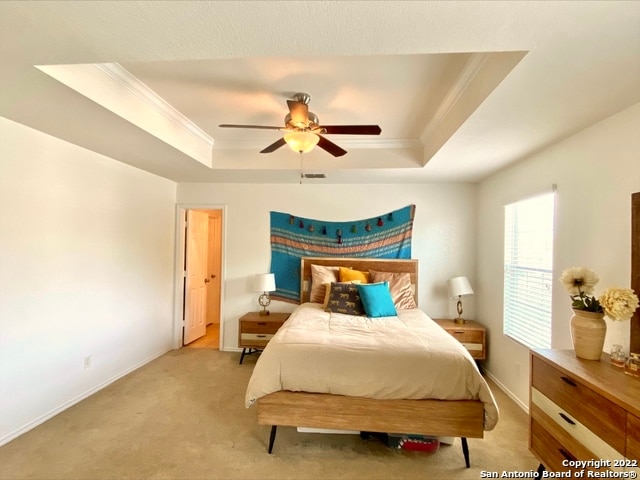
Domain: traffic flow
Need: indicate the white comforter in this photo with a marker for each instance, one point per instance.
(403, 357)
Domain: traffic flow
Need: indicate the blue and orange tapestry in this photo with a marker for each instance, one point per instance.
(383, 236)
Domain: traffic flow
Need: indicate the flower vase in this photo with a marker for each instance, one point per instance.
(588, 330)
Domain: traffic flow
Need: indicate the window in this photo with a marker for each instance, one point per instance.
(528, 270)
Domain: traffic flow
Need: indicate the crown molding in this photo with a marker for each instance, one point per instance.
(121, 75)
(465, 79)
(117, 90)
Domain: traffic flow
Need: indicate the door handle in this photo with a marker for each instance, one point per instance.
(206, 280)
(213, 276)
(566, 418)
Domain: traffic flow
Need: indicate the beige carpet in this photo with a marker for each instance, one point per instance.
(182, 417)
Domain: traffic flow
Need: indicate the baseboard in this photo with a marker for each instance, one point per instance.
(507, 391)
(231, 349)
(52, 413)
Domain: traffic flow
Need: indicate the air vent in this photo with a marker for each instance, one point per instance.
(314, 175)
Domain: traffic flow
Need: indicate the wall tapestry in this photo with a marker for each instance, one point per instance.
(383, 236)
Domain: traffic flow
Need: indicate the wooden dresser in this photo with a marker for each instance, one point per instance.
(583, 410)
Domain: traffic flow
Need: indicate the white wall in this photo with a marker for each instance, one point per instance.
(596, 171)
(443, 235)
(86, 253)
(86, 269)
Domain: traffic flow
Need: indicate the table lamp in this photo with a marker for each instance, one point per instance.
(457, 287)
(264, 282)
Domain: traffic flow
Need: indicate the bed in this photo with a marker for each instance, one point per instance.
(340, 356)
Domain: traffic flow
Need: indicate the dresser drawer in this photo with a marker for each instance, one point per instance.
(252, 326)
(633, 437)
(546, 447)
(604, 418)
(255, 339)
(470, 334)
(571, 444)
(633, 444)
(472, 340)
(467, 336)
(574, 436)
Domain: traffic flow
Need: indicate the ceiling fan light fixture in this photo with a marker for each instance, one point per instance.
(301, 142)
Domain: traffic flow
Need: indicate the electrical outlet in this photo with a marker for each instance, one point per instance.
(87, 362)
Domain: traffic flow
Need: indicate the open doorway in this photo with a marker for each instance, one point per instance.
(201, 278)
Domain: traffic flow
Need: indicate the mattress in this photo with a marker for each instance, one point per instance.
(407, 356)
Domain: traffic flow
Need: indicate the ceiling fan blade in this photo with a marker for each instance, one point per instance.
(299, 113)
(262, 127)
(274, 146)
(352, 129)
(331, 147)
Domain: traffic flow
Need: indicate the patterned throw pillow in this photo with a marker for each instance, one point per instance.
(328, 289)
(344, 298)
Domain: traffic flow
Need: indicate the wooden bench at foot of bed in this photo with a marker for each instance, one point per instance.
(447, 418)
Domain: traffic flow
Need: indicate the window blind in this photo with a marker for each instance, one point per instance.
(528, 270)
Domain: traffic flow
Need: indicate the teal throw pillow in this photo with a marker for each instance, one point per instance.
(376, 299)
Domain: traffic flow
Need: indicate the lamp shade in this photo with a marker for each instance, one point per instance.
(459, 286)
(302, 142)
(264, 282)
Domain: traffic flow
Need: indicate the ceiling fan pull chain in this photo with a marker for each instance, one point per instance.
(301, 174)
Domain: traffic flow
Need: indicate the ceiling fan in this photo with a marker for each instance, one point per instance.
(304, 131)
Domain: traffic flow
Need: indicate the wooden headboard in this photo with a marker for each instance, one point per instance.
(409, 266)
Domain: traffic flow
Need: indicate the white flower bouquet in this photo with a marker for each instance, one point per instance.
(616, 303)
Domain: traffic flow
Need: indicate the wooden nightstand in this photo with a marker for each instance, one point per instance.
(255, 331)
(471, 334)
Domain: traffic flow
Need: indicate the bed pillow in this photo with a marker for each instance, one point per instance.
(376, 300)
(328, 289)
(349, 275)
(320, 276)
(344, 298)
(400, 287)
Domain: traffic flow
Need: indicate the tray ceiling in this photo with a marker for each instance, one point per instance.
(460, 89)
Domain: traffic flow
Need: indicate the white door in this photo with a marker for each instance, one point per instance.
(215, 254)
(195, 302)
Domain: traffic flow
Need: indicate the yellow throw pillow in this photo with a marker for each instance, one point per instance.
(349, 275)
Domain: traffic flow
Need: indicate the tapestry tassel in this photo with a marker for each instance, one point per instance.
(368, 227)
(324, 230)
(301, 224)
(339, 233)
(380, 222)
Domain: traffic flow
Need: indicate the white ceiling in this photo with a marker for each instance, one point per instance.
(460, 89)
